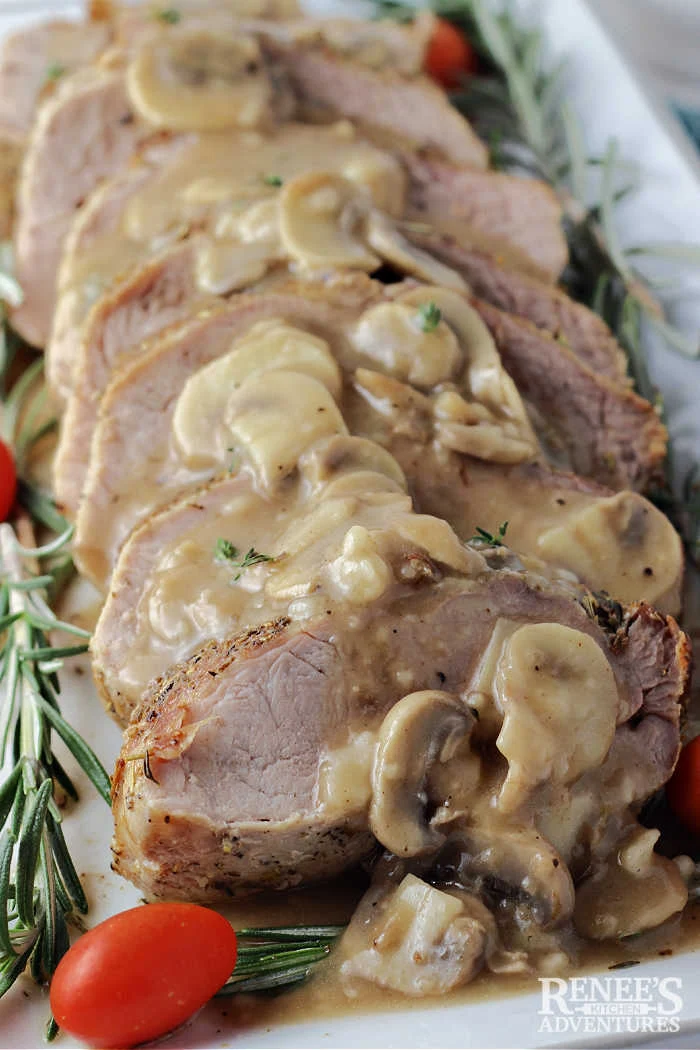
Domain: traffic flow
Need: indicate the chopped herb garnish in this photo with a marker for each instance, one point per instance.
(227, 551)
(273, 180)
(429, 316)
(55, 71)
(482, 536)
(169, 15)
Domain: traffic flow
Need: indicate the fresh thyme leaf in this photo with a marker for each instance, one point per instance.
(55, 71)
(168, 15)
(273, 180)
(482, 536)
(225, 550)
(429, 316)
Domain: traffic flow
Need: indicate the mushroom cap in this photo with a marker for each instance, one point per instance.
(422, 730)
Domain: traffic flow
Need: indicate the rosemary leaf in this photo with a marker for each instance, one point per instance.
(19, 964)
(678, 252)
(7, 846)
(41, 507)
(28, 853)
(66, 867)
(266, 982)
(37, 655)
(290, 933)
(82, 753)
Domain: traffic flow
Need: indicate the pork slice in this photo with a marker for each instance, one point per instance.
(270, 768)
(83, 134)
(592, 425)
(135, 414)
(500, 214)
(34, 57)
(217, 789)
(414, 108)
(132, 470)
(160, 293)
(493, 279)
(99, 218)
(163, 291)
(91, 111)
(524, 214)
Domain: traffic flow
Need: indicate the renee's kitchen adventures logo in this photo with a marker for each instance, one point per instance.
(610, 1005)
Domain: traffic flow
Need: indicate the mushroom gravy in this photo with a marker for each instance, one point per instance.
(323, 996)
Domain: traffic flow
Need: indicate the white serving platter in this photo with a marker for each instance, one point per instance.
(610, 103)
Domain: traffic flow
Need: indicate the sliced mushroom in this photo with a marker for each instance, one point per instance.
(635, 891)
(321, 223)
(559, 700)
(223, 267)
(484, 379)
(416, 940)
(384, 236)
(440, 542)
(195, 80)
(406, 411)
(628, 541)
(348, 456)
(254, 414)
(520, 858)
(199, 424)
(381, 175)
(258, 224)
(395, 336)
(471, 429)
(421, 733)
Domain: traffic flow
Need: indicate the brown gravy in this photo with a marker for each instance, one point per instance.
(323, 996)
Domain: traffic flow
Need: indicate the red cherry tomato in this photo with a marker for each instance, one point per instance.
(8, 481)
(450, 56)
(142, 973)
(683, 789)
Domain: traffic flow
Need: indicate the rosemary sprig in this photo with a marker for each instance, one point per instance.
(276, 957)
(40, 891)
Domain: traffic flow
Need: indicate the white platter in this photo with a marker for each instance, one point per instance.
(610, 102)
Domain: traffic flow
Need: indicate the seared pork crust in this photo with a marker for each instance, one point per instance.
(215, 791)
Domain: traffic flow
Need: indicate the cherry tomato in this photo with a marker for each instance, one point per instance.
(683, 789)
(142, 973)
(450, 55)
(8, 481)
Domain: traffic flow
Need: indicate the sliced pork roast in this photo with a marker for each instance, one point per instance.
(192, 184)
(501, 284)
(32, 60)
(169, 81)
(452, 200)
(353, 235)
(411, 691)
(620, 544)
(85, 132)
